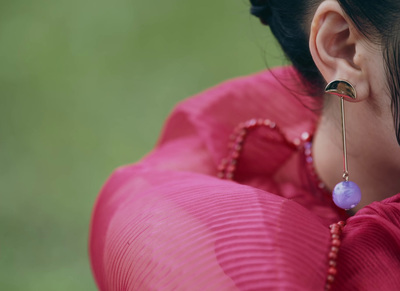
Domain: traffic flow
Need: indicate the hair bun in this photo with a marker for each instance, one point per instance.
(261, 9)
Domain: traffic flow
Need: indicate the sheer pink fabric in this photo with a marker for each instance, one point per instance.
(167, 223)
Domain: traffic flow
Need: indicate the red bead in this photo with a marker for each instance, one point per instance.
(231, 168)
(328, 287)
(330, 279)
(334, 249)
(335, 236)
(332, 255)
(332, 271)
(336, 242)
(335, 230)
(251, 123)
(235, 155)
(267, 122)
(332, 263)
(221, 167)
(229, 176)
(260, 121)
(239, 140)
(341, 223)
(242, 132)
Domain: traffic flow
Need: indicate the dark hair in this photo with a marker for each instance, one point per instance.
(377, 20)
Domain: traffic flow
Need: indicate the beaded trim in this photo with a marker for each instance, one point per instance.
(311, 169)
(227, 167)
(336, 231)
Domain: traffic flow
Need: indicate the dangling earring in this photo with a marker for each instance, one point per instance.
(346, 194)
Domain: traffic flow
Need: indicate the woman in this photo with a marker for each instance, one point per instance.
(268, 221)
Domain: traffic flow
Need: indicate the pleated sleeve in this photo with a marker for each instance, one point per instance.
(195, 232)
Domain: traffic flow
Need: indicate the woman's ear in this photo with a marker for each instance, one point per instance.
(336, 48)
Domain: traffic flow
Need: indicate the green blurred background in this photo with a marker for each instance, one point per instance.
(85, 87)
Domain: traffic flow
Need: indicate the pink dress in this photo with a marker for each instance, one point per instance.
(169, 223)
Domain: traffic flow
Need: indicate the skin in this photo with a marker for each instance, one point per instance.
(341, 52)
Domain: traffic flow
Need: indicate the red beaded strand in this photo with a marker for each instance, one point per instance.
(227, 167)
(336, 231)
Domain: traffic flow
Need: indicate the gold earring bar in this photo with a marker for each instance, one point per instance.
(346, 168)
(343, 89)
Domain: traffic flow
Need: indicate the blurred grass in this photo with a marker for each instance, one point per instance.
(85, 87)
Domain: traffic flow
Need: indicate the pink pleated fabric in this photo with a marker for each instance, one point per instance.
(168, 222)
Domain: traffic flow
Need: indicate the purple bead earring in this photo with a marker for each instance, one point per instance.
(346, 194)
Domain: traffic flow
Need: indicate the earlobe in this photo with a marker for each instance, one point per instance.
(333, 46)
